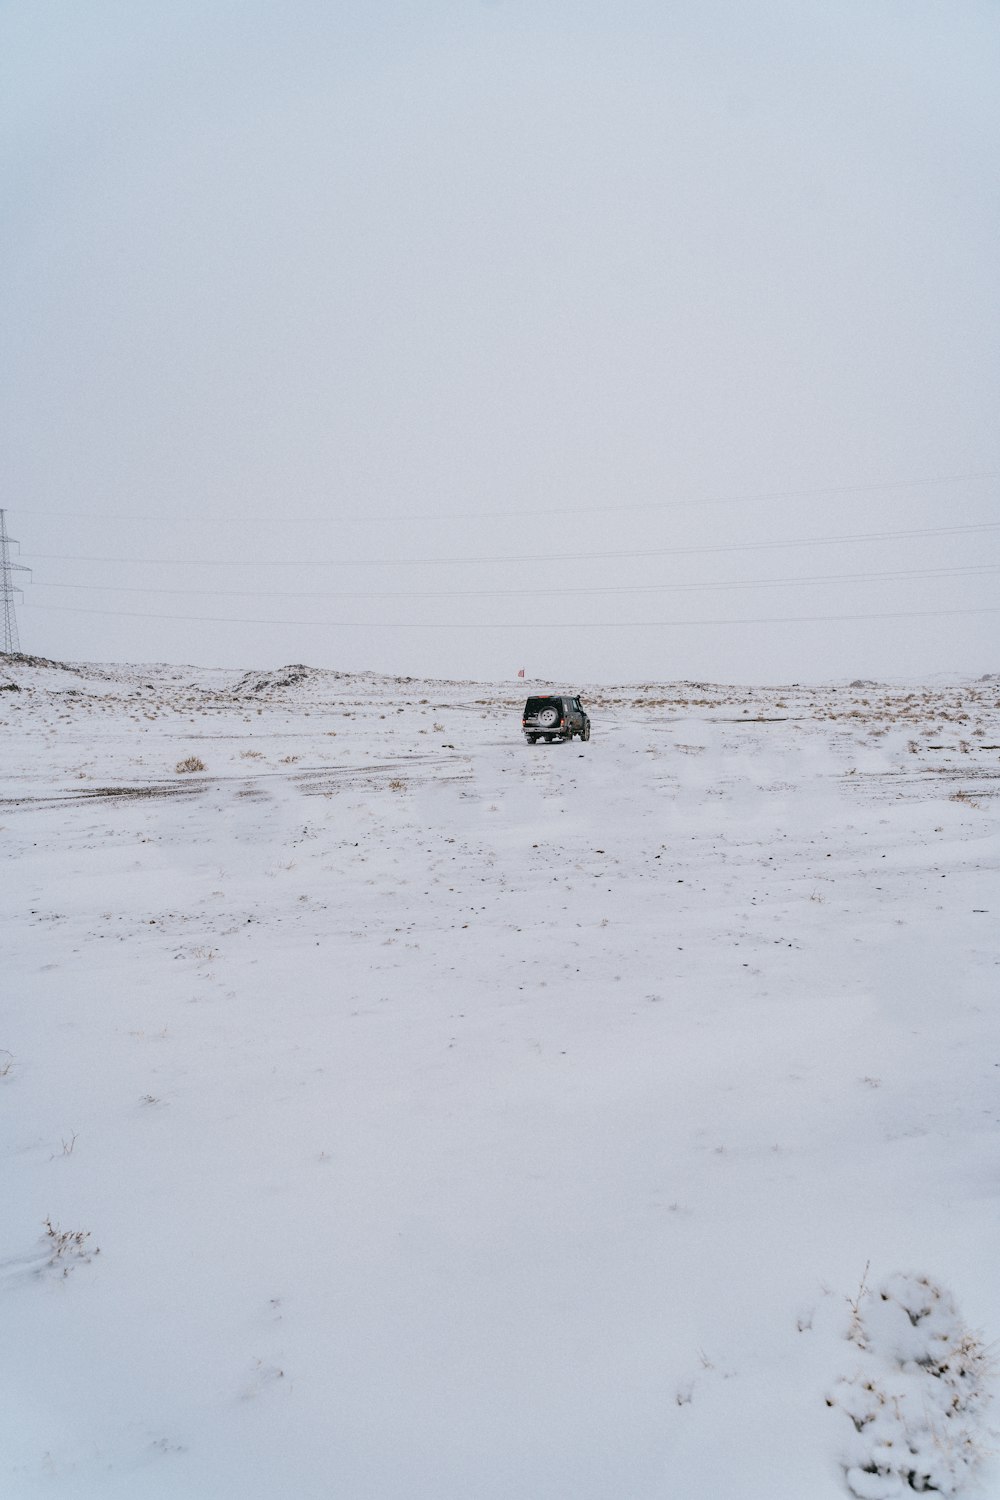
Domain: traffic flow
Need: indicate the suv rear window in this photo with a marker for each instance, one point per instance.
(534, 704)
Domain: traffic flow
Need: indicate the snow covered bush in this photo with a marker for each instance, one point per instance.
(917, 1395)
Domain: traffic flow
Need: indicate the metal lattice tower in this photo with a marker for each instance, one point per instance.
(8, 589)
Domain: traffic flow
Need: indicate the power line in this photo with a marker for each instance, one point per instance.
(979, 569)
(402, 562)
(753, 498)
(901, 614)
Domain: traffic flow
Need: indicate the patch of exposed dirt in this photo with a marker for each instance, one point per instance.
(109, 794)
(253, 684)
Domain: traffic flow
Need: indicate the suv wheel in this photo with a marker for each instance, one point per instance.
(585, 732)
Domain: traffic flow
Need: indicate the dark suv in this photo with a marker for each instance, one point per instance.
(554, 717)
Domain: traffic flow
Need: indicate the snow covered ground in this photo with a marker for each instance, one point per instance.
(394, 1111)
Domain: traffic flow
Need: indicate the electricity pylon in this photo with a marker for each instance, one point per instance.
(8, 589)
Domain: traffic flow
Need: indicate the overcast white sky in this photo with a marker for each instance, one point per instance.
(473, 336)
